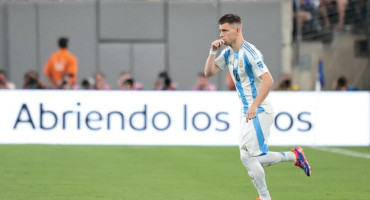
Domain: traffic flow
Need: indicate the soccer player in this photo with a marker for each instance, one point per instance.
(253, 83)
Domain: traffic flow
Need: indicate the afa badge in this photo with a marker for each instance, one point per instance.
(235, 63)
(241, 64)
(260, 64)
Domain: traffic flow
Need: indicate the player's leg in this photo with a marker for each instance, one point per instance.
(263, 123)
(296, 155)
(271, 158)
(255, 133)
(251, 145)
(256, 173)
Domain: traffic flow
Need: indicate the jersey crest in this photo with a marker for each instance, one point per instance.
(241, 62)
(260, 64)
(235, 63)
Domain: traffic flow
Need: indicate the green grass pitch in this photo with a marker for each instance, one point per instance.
(58, 172)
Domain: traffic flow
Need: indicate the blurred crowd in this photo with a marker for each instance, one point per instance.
(62, 67)
(61, 71)
(313, 19)
(317, 19)
(163, 82)
(97, 82)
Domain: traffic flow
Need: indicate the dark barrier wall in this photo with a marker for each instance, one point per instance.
(142, 37)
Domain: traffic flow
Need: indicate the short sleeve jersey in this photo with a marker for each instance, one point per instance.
(61, 62)
(246, 66)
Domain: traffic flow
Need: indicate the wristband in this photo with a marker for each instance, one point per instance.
(212, 52)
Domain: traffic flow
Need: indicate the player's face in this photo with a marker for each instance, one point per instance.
(228, 33)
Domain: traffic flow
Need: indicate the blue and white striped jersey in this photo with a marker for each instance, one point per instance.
(246, 66)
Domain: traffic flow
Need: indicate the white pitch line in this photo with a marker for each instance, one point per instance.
(344, 152)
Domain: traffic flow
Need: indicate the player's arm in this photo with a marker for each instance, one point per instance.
(267, 82)
(211, 68)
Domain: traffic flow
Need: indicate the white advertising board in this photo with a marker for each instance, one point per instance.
(177, 118)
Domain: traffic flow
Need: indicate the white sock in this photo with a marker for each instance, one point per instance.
(257, 174)
(271, 158)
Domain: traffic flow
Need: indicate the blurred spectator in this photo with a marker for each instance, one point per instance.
(285, 84)
(126, 82)
(128, 85)
(87, 83)
(32, 81)
(305, 7)
(67, 83)
(100, 83)
(203, 84)
(341, 7)
(341, 84)
(4, 83)
(164, 82)
(61, 62)
(229, 82)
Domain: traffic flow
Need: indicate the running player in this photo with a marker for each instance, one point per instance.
(253, 83)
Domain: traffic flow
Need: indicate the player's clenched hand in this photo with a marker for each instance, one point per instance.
(251, 113)
(216, 45)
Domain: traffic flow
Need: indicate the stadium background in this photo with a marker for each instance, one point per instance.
(146, 37)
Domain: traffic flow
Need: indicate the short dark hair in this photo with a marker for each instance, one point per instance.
(230, 18)
(163, 75)
(63, 42)
(342, 81)
(128, 82)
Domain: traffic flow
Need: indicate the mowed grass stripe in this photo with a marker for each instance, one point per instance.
(169, 173)
(344, 152)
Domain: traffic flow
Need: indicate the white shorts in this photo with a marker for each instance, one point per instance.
(254, 134)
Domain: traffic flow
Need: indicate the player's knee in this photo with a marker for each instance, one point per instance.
(245, 158)
(256, 174)
(252, 175)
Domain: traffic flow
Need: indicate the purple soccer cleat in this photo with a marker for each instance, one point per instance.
(302, 161)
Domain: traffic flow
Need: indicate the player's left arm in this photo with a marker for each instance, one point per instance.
(267, 82)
